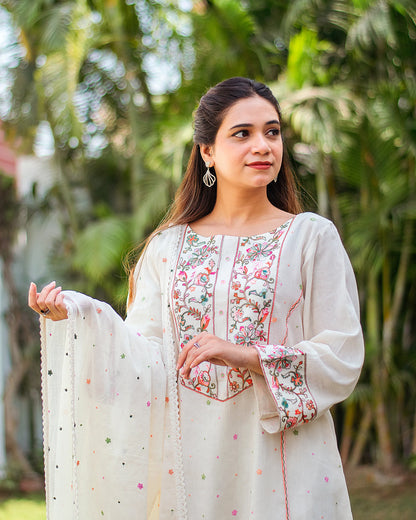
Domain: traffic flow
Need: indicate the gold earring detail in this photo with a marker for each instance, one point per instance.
(209, 178)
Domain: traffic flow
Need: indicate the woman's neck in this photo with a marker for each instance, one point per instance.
(242, 213)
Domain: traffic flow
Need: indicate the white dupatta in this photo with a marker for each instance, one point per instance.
(110, 405)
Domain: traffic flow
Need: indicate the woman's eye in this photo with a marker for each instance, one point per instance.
(241, 133)
(274, 131)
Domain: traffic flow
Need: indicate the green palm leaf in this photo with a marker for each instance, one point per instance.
(99, 249)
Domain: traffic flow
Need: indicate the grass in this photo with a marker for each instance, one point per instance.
(370, 499)
(392, 500)
(30, 507)
(391, 506)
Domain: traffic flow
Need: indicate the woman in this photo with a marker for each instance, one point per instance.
(212, 399)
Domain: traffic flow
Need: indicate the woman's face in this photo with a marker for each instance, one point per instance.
(248, 148)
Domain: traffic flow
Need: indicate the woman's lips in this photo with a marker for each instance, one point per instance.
(259, 165)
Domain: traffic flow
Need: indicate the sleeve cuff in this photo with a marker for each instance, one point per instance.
(283, 395)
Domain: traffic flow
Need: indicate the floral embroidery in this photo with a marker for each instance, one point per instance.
(285, 370)
(193, 289)
(248, 304)
(253, 282)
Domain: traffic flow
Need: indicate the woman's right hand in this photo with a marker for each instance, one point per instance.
(49, 302)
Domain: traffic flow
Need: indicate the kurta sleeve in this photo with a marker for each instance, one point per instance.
(305, 379)
(145, 311)
(104, 391)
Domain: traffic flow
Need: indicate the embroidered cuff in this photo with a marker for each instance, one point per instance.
(284, 371)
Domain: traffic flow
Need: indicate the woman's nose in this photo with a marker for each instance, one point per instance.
(260, 144)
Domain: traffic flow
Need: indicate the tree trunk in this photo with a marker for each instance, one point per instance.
(361, 438)
(385, 452)
(346, 439)
(413, 452)
(390, 321)
(379, 376)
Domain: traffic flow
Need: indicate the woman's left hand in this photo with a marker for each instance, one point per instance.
(207, 347)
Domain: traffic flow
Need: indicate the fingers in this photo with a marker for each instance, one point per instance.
(58, 309)
(203, 347)
(210, 348)
(32, 297)
(37, 301)
(49, 302)
(59, 303)
(187, 350)
(50, 299)
(44, 294)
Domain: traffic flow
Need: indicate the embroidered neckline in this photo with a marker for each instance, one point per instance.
(244, 237)
(251, 265)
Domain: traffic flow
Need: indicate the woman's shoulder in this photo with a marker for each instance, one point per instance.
(313, 219)
(310, 229)
(160, 249)
(163, 240)
(313, 223)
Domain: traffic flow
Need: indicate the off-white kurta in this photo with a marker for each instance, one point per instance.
(127, 437)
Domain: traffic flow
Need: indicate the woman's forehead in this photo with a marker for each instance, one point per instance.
(254, 109)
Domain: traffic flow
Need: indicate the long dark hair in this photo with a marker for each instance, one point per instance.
(193, 198)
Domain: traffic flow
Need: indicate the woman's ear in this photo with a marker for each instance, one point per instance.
(206, 153)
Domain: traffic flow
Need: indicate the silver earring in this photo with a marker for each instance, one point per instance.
(209, 178)
(275, 179)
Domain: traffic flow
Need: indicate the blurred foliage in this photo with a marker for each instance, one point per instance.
(8, 214)
(117, 80)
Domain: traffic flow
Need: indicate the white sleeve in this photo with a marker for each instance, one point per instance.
(307, 378)
(145, 311)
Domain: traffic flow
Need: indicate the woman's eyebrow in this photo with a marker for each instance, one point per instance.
(245, 125)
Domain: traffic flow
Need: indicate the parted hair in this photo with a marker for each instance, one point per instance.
(193, 199)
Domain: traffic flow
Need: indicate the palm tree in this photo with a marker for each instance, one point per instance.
(355, 130)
